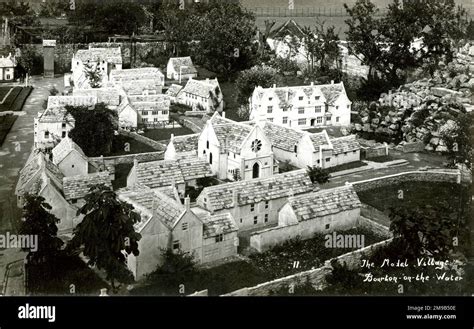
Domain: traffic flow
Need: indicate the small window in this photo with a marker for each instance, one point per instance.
(270, 119)
(252, 207)
(301, 110)
(318, 161)
(301, 122)
(328, 159)
(64, 126)
(266, 204)
(319, 119)
(270, 98)
(176, 245)
(255, 220)
(348, 106)
(270, 109)
(337, 119)
(220, 237)
(72, 166)
(296, 149)
(164, 112)
(210, 158)
(266, 218)
(354, 151)
(285, 120)
(74, 201)
(317, 109)
(327, 226)
(241, 221)
(63, 134)
(337, 107)
(300, 98)
(317, 98)
(207, 144)
(184, 226)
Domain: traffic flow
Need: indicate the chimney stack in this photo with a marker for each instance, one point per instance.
(135, 163)
(235, 198)
(223, 114)
(332, 82)
(274, 86)
(187, 203)
(312, 83)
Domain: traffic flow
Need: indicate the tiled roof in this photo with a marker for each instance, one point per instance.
(137, 74)
(109, 96)
(55, 114)
(250, 191)
(332, 91)
(174, 90)
(284, 138)
(200, 88)
(185, 143)
(75, 100)
(230, 134)
(151, 102)
(345, 144)
(324, 203)
(290, 27)
(185, 63)
(139, 86)
(6, 62)
(76, 187)
(319, 139)
(36, 164)
(166, 172)
(218, 224)
(111, 55)
(151, 203)
(64, 147)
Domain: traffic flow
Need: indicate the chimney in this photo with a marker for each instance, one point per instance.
(312, 83)
(187, 203)
(135, 163)
(172, 136)
(235, 198)
(332, 82)
(207, 80)
(223, 114)
(274, 86)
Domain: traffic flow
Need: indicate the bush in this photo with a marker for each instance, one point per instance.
(318, 175)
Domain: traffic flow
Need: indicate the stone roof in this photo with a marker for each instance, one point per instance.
(319, 140)
(218, 224)
(345, 144)
(36, 164)
(6, 62)
(323, 203)
(282, 137)
(109, 96)
(64, 147)
(110, 55)
(168, 172)
(200, 88)
(185, 63)
(55, 114)
(75, 100)
(174, 90)
(137, 74)
(138, 87)
(230, 134)
(256, 190)
(77, 187)
(151, 102)
(185, 143)
(290, 27)
(332, 91)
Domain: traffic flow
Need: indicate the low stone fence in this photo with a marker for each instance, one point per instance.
(374, 152)
(195, 113)
(375, 227)
(142, 139)
(121, 159)
(189, 124)
(435, 175)
(413, 147)
(316, 277)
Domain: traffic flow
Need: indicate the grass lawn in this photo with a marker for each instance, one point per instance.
(121, 173)
(6, 122)
(272, 264)
(4, 91)
(165, 133)
(16, 99)
(383, 158)
(346, 166)
(119, 146)
(415, 194)
(56, 278)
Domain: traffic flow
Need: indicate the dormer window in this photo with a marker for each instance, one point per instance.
(317, 98)
(300, 98)
(270, 98)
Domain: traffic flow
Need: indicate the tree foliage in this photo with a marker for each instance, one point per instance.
(107, 234)
(247, 80)
(38, 221)
(459, 141)
(93, 74)
(19, 13)
(318, 175)
(93, 129)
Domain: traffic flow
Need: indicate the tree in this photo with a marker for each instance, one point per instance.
(18, 13)
(470, 30)
(38, 221)
(28, 58)
(177, 25)
(247, 80)
(54, 8)
(93, 74)
(458, 141)
(93, 129)
(318, 175)
(106, 234)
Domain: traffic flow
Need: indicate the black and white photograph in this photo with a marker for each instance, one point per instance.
(261, 149)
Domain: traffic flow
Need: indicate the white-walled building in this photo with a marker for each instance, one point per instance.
(182, 146)
(205, 95)
(51, 125)
(236, 151)
(283, 36)
(69, 158)
(302, 106)
(180, 69)
(7, 68)
(151, 109)
(104, 60)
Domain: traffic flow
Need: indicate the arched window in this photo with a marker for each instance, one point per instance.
(255, 170)
(207, 144)
(210, 158)
(296, 148)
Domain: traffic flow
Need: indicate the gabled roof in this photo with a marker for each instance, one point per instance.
(282, 137)
(185, 143)
(6, 62)
(139, 86)
(75, 100)
(109, 96)
(137, 74)
(200, 88)
(158, 102)
(218, 224)
(110, 55)
(319, 140)
(184, 63)
(55, 114)
(230, 134)
(65, 147)
(168, 172)
(345, 144)
(221, 196)
(290, 27)
(77, 187)
(38, 164)
(322, 203)
(332, 91)
(174, 90)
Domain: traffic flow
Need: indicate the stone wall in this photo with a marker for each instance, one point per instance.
(413, 147)
(145, 140)
(374, 152)
(124, 159)
(317, 277)
(375, 227)
(439, 175)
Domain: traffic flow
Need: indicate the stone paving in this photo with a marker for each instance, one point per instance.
(13, 154)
